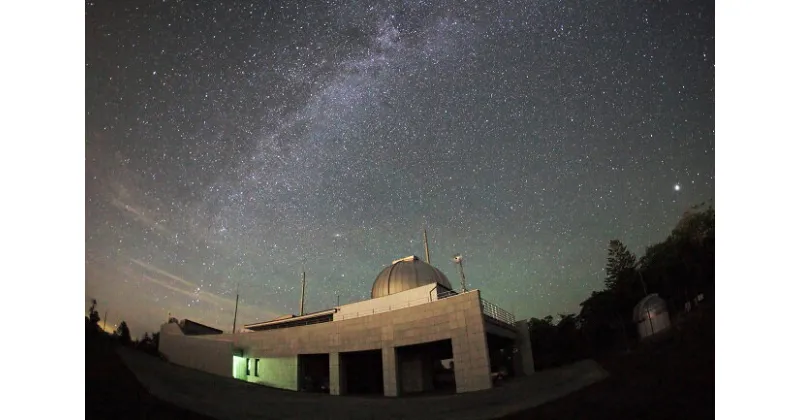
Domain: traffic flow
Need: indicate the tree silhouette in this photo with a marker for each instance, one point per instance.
(123, 333)
(620, 264)
(677, 268)
(94, 317)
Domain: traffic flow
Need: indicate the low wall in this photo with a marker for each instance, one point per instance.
(412, 297)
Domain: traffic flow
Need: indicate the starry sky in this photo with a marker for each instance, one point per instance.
(234, 144)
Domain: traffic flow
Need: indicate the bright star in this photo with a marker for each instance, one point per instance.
(677, 187)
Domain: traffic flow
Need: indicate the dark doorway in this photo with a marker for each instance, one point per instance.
(363, 372)
(426, 368)
(313, 372)
(501, 357)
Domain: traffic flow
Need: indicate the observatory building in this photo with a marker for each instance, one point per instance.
(416, 334)
(651, 316)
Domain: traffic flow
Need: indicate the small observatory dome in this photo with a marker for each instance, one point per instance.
(405, 274)
(651, 315)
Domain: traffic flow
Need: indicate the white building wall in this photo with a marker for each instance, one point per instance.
(211, 354)
(412, 297)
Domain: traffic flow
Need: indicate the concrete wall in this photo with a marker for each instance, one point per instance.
(277, 372)
(523, 358)
(336, 375)
(417, 296)
(458, 318)
(213, 354)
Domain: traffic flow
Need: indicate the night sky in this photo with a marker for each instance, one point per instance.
(240, 143)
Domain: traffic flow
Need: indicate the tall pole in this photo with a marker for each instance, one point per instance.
(458, 259)
(302, 293)
(236, 309)
(105, 316)
(463, 279)
(641, 280)
(425, 239)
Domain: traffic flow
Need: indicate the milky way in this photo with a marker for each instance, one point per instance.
(239, 144)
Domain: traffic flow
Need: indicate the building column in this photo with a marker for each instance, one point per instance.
(336, 379)
(523, 358)
(389, 356)
(471, 363)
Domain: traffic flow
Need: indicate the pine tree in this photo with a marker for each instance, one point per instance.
(620, 263)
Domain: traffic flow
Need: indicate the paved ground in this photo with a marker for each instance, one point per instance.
(227, 398)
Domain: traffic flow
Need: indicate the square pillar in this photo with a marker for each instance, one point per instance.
(523, 358)
(389, 356)
(471, 361)
(336, 378)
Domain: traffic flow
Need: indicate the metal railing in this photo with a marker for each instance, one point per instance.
(488, 308)
(493, 311)
(447, 294)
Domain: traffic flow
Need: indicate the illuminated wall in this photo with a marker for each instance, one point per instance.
(240, 368)
(277, 372)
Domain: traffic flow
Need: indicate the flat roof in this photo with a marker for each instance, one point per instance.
(189, 321)
(293, 318)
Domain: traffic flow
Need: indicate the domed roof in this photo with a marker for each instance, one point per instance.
(405, 274)
(651, 303)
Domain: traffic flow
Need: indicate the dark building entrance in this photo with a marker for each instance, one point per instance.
(501, 357)
(426, 368)
(313, 372)
(363, 372)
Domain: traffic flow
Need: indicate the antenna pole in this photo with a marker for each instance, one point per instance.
(463, 279)
(236, 309)
(425, 239)
(302, 293)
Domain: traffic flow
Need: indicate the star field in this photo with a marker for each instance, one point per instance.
(240, 143)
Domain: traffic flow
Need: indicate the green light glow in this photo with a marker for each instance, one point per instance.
(240, 368)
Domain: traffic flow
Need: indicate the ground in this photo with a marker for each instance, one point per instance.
(112, 391)
(669, 379)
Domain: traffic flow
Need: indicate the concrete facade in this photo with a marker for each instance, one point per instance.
(210, 353)
(457, 318)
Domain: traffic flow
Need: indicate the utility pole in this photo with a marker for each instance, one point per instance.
(425, 240)
(641, 280)
(644, 288)
(105, 316)
(235, 309)
(302, 293)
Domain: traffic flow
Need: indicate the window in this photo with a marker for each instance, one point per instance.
(255, 368)
(248, 367)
